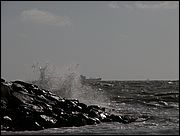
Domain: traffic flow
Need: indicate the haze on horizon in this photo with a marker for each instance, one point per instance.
(115, 40)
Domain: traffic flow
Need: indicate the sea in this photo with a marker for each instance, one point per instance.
(157, 99)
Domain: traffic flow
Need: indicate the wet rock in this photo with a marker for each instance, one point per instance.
(77, 120)
(26, 122)
(91, 121)
(22, 98)
(36, 108)
(116, 118)
(75, 101)
(93, 114)
(25, 84)
(38, 91)
(107, 120)
(18, 87)
(7, 123)
(25, 106)
(6, 91)
(3, 105)
(47, 121)
(94, 107)
(83, 107)
(2, 80)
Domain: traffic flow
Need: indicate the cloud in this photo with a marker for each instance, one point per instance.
(160, 5)
(152, 5)
(44, 17)
(113, 4)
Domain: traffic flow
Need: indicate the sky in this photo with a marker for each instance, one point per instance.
(114, 40)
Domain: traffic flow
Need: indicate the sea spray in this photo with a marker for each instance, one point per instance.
(69, 84)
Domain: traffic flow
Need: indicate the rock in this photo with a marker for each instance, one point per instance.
(7, 119)
(92, 113)
(6, 91)
(3, 107)
(6, 123)
(91, 121)
(25, 84)
(26, 122)
(77, 120)
(2, 80)
(62, 122)
(82, 105)
(25, 106)
(22, 98)
(116, 118)
(94, 107)
(107, 120)
(18, 87)
(47, 121)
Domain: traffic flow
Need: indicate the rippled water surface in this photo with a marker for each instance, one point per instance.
(157, 99)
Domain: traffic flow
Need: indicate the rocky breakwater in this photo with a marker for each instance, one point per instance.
(25, 106)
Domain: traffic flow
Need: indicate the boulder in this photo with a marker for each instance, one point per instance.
(2, 80)
(25, 106)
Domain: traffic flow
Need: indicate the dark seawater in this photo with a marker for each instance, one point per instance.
(157, 99)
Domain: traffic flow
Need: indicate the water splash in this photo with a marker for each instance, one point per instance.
(68, 84)
(71, 86)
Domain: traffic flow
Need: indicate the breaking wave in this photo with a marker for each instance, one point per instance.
(70, 84)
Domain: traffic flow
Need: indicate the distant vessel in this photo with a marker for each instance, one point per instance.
(83, 78)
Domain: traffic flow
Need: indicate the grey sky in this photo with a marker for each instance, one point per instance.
(113, 40)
